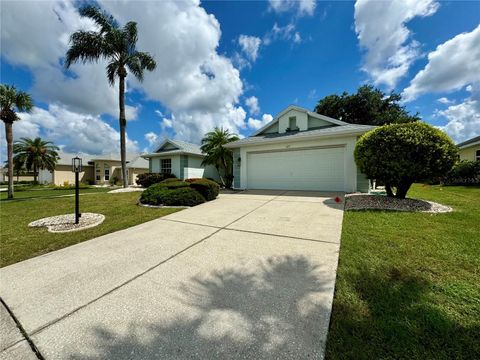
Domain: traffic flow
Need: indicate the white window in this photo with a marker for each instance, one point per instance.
(107, 174)
(166, 166)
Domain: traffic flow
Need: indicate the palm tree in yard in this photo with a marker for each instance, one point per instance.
(35, 154)
(217, 155)
(11, 101)
(117, 45)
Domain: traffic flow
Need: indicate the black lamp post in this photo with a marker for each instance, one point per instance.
(77, 168)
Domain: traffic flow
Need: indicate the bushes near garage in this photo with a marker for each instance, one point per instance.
(207, 188)
(147, 179)
(182, 196)
(465, 172)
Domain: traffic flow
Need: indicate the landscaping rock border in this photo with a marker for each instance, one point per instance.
(124, 190)
(162, 206)
(66, 223)
(380, 202)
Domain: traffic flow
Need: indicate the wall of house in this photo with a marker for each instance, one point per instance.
(45, 176)
(63, 174)
(349, 162)
(469, 153)
(154, 164)
(133, 175)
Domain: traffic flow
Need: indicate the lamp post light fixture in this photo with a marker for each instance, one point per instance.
(77, 168)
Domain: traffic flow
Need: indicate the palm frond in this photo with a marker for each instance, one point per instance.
(105, 21)
(85, 46)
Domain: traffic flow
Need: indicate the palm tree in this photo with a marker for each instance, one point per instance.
(36, 154)
(12, 101)
(217, 155)
(118, 46)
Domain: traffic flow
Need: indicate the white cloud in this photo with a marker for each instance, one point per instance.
(382, 33)
(301, 7)
(445, 101)
(451, 66)
(151, 138)
(252, 104)
(463, 119)
(250, 45)
(74, 132)
(287, 32)
(258, 123)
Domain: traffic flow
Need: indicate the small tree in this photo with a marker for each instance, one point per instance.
(400, 154)
(35, 154)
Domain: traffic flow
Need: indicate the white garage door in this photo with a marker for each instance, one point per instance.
(313, 169)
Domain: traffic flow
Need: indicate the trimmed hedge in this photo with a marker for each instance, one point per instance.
(465, 172)
(182, 196)
(148, 179)
(209, 189)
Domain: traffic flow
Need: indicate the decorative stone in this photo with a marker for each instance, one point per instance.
(66, 223)
(380, 202)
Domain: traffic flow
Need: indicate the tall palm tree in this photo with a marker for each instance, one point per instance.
(217, 155)
(12, 101)
(118, 46)
(36, 154)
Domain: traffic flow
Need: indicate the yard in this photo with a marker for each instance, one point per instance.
(19, 242)
(408, 283)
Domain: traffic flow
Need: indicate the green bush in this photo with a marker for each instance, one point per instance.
(172, 184)
(463, 173)
(400, 154)
(209, 189)
(147, 179)
(183, 196)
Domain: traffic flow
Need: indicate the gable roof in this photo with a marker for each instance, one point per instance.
(469, 142)
(300, 109)
(180, 148)
(138, 163)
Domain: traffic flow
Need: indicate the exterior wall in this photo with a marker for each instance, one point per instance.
(363, 184)
(302, 120)
(154, 164)
(211, 172)
(133, 175)
(114, 167)
(64, 174)
(314, 122)
(236, 168)
(349, 162)
(45, 176)
(469, 153)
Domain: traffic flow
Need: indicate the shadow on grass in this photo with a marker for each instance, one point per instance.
(274, 312)
(394, 317)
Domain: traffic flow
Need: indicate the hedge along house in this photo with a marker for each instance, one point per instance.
(180, 158)
(300, 150)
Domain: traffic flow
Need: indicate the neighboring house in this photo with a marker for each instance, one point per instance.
(470, 149)
(97, 169)
(300, 150)
(180, 158)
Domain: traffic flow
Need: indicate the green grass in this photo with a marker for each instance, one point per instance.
(408, 284)
(44, 192)
(19, 242)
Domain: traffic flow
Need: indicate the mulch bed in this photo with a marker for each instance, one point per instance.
(379, 202)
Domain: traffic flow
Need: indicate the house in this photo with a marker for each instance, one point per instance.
(470, 149)
(180, 158)
(300, 150)
(99, 169)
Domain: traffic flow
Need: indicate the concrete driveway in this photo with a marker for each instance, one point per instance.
(248, 276)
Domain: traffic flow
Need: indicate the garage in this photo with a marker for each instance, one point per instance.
(320, 169)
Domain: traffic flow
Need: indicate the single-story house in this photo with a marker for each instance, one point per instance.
(99, 169)
(180, 158)
(470, 149)
(300, 150)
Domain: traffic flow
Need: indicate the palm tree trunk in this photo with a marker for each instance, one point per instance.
(9, 136)
(123, 124)
(34, 173)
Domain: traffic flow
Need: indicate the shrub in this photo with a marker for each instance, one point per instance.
(400, 154)
(172, 184)
(463, 173)
(147, 179)
(183, 196)
(209, 189)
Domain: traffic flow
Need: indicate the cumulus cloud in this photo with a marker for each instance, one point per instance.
(252, 104)
(300, 7)
(250, 45)
(445, 101)
(151, 138)
(287, 32)
(258, 123)
(451, 66)
(382, 33)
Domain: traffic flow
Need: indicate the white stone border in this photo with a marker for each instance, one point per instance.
(162, 206)
(51, 227)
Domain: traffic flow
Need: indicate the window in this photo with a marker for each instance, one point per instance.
(166, 166)
(97, 177)
(107, 174)
(477, 155)
(292, 123)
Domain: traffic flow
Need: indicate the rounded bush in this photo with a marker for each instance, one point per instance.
(209, 189)
(147, 179)
(400, 154)
(184, 196)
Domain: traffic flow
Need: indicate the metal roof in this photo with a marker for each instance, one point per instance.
(182, 147)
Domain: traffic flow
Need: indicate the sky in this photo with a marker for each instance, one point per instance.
(236, 64)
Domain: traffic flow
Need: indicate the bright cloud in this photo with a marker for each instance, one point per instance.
(258, 123)
(300, 7)
(451, 66)
(250, 45)
(252, 104)
(151, 138)
(287, 32)
(445, 101)
(382, 32)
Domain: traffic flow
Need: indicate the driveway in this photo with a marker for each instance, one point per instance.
(250, 275)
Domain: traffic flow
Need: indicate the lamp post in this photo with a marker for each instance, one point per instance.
(77, 168)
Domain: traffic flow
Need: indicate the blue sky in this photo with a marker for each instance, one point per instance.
(237, 63)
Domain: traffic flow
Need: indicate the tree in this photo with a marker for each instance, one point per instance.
(217, 155)
(117, 46)
(35, 154)
(12, 101)
(400, 154)
(369, 106)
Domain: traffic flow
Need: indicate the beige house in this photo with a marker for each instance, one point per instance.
(470, 149)
(98, 170)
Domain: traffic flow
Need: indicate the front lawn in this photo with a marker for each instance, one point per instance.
(30, 192)
(408, 284)
(19, 242)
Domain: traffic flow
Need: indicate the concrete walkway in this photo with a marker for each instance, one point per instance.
(248, 276)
